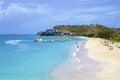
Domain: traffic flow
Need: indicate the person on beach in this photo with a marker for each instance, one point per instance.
(77, 45)
(110, 47)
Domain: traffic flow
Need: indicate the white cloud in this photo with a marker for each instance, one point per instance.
(114, 12)
(87, 0)
(82, 14)
(71, 15)
(1, 3)
(91, 9)
(32, 9)
(88, 17)
(17, 8)
(93, 1)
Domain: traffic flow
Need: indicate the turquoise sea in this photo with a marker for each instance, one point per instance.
(21, 58)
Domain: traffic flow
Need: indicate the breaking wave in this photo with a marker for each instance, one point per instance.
(13, 42)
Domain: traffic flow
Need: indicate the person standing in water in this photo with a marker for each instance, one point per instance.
(77, 45)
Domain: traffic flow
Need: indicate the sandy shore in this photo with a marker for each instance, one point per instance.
(109, 59)
(91, 61)
(78, 67)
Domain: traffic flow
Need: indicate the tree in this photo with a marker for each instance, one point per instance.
(91, 35)
(106, 33)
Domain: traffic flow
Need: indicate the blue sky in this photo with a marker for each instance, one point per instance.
(31, 16)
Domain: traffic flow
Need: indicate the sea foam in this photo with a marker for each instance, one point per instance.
(13, 42)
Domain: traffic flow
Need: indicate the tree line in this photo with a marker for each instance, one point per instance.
(92, 30)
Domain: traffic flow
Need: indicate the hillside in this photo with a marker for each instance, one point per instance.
(91, 30)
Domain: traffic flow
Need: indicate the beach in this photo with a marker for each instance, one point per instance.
(91, 61)
(108, 59)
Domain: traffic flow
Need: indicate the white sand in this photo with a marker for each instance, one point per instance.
(77, 67)
(109, 59)
(99, 63)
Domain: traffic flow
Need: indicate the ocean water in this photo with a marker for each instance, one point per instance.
(21, 58)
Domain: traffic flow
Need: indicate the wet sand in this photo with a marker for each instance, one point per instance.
(78, 67)
(92, 60)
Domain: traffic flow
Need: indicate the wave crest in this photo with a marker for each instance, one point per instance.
(13, 42)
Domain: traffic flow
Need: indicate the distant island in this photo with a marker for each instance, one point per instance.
(92, 30)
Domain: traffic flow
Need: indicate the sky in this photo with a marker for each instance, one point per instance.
(31, 16)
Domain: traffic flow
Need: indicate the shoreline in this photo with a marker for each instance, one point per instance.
(109, 59)
(104, 63)
(75, 67)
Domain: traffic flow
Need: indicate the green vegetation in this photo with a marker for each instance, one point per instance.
(91, 30)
